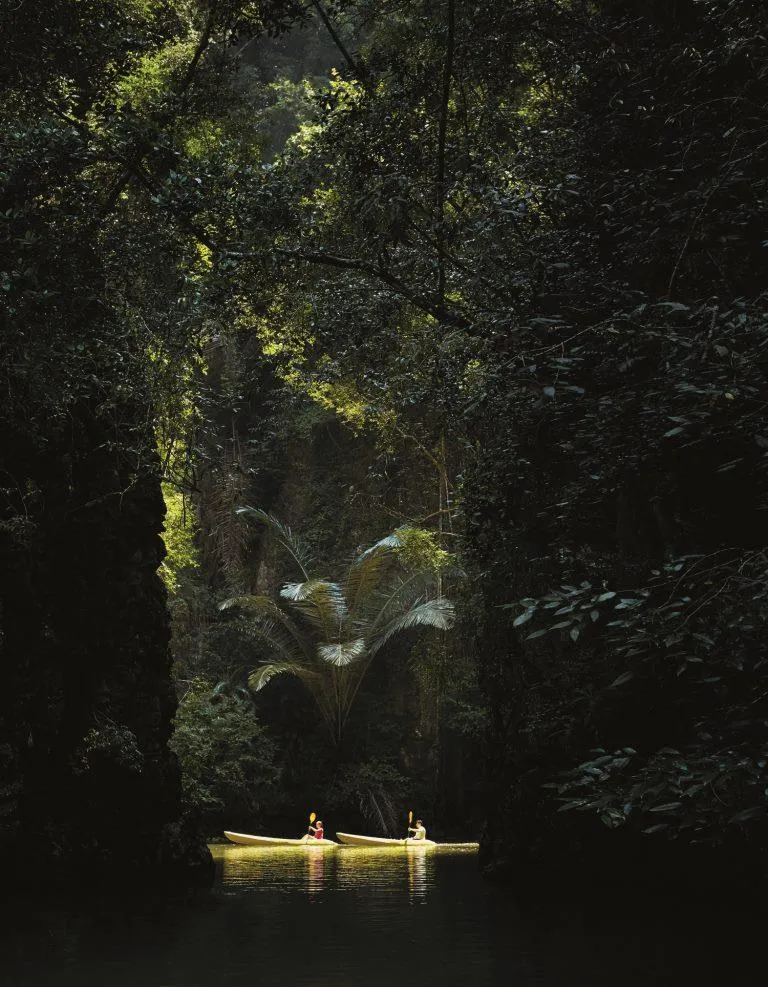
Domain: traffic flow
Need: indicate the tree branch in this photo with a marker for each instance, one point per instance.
(357, 67)
(435, 309)
(135, 161)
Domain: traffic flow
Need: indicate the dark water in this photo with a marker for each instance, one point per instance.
(362, 918)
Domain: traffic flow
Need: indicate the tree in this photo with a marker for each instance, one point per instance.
(227, 760)
(326, 632)
(95, 267)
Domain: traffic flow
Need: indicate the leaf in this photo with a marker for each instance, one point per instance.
(573, 804)
(666, 807)
(321, 604)
(705, 638)
(270, 623)
(606, 596)
(523, 618)
(535, 634)
(729, 465)
(392, 541)
(264, 673)
(745, 814)
(621, 680)
(367, 569)
(292, 545)
(439, 613)
(344, 653)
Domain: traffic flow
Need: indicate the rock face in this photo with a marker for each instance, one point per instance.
(87, 779)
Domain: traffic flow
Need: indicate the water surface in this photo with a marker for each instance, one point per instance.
(367, 918)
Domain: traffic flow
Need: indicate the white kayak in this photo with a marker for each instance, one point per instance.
(245, 839)
(350, 839)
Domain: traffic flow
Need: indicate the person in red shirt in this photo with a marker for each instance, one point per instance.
(316, 831)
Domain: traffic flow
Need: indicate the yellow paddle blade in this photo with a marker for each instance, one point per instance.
(312, 817)
(410, 816)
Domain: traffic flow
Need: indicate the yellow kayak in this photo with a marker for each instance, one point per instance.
(245, 839)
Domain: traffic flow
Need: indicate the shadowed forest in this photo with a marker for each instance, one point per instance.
(384, 427)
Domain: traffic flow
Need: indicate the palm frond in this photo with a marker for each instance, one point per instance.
(439, 613)
(320, 602)
(298, 592)
(268, 611)
(276, 638)
(384, 544)
(260, 676)
(292, 544)
(396, 596)
(344, 653)
(366, 571)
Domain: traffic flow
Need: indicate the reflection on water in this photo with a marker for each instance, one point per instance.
(315, 870)
(272, 867)
(358, 917)
(387, 869)
(417, 873)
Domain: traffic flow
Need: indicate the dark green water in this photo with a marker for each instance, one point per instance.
(361, 918)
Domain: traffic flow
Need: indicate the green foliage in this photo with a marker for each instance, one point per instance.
(107, 748)
(155, 77)
(626, 503)
(420, 549)
(517, 249)
(377, 789)
(179, 537)
(691, 634)
(696, 796)
(327, 633)
(228, 762)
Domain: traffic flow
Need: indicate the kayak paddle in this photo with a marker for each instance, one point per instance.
(312, 818)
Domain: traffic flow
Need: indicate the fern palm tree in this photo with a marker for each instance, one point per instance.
(326, 633)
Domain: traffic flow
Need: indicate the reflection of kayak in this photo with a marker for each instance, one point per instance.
(246, 840)
(349, 839)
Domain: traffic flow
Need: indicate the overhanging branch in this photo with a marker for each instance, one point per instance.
(434, 308)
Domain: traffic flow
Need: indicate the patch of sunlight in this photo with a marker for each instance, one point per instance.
(179, 537)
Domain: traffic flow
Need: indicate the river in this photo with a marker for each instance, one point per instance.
(364, 918)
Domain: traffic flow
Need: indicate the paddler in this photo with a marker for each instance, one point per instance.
(316, 830)
(419, 832)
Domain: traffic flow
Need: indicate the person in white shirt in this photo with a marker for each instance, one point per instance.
(419, 832)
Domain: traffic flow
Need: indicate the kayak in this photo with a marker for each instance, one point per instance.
(350, 839)
(245, 839)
